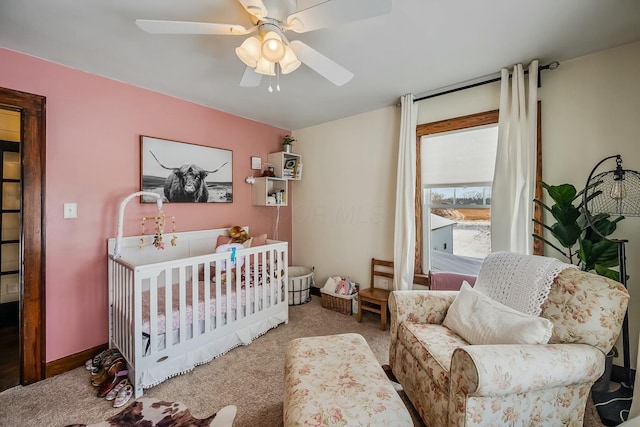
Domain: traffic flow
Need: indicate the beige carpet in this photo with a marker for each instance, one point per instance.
(249, 377)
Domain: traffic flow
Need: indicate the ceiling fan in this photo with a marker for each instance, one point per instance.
(269, 52)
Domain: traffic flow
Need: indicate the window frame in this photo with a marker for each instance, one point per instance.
(465, 122)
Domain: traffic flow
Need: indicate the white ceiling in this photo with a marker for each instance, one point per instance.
(423, 45)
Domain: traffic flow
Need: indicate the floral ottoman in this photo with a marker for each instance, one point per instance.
(337, 380)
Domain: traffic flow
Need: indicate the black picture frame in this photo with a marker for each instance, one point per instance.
(182, 172)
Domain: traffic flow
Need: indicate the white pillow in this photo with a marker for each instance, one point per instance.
(481, 320)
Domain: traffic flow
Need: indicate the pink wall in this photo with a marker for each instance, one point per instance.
(93, 159)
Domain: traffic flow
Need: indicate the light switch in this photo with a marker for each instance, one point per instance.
(70, 210)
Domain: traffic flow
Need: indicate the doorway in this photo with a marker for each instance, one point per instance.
(10, 232)
(22, 236)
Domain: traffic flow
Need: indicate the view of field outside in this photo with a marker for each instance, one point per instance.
(457, 175)
(472, 232)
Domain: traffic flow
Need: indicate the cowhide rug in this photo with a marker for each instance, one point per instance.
(147, 412)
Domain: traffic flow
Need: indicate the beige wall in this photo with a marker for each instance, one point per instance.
(591, 110)
(343, 208)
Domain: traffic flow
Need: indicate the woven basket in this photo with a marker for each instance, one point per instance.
(335, 302)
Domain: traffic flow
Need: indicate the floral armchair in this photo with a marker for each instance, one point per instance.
(453, 383)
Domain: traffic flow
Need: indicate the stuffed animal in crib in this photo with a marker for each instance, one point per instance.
(238, 235)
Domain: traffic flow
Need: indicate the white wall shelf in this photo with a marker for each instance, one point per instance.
(286, 165)
(268, 191)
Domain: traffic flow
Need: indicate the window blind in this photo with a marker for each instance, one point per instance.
(461, 157)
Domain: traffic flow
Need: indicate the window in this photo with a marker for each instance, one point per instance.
(464, 183)
(457, 176)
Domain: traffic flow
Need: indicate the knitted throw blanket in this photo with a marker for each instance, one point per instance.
(521, 282)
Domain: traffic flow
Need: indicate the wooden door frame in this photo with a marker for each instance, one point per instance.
(32, 296)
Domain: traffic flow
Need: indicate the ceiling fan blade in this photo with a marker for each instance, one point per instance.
(250, 78)
(319, 63)
(255, 8)
(183, 27)
(336, 12)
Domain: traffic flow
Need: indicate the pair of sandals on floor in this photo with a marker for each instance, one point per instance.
(109, 375)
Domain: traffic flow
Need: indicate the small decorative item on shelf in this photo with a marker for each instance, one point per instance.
(269, 171)
(289, 169)
(287, 142)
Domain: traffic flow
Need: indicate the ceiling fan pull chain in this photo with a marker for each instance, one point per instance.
(270, 89)
(278, 77)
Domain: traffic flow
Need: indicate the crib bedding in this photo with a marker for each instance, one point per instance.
(251, 275)
(175, 297)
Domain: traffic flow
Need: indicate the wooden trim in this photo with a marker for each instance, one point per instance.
(73, 361)
(32, 300)
(458, 123)
(422, 279)
(417, 200)
(538, 245)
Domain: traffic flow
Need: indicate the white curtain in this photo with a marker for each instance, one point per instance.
(514, 178)
(404, 241)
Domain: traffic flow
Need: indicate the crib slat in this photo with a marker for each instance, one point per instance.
(281, 279)
(195, 301)
(123, 305)
(259, 286)
(273, 292)
(128, 289)
(272, 271)
(168, 309)
(219, 295)
(238, 287)
(153, 313)
(229, 294)
(207, 297)
(263, 270)
(274, 274)
(183, 304)
(252, 288)
(115, 307)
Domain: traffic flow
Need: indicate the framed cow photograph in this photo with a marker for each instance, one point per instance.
(185, 173)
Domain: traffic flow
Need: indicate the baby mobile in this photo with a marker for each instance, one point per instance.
(159, 228)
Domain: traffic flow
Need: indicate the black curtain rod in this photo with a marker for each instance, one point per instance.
(551, 66)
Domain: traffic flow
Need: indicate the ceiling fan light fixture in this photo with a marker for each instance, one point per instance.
(273, 49)
(249, 51)
(290, 62)
(266, 67)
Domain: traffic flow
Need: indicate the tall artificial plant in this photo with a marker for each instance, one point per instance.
(576, 239)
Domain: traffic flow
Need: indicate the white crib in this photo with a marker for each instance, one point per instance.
(208, 317)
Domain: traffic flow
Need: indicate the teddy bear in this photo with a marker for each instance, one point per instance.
(238, 235)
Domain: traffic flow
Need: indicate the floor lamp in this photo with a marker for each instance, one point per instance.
(614, 192)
